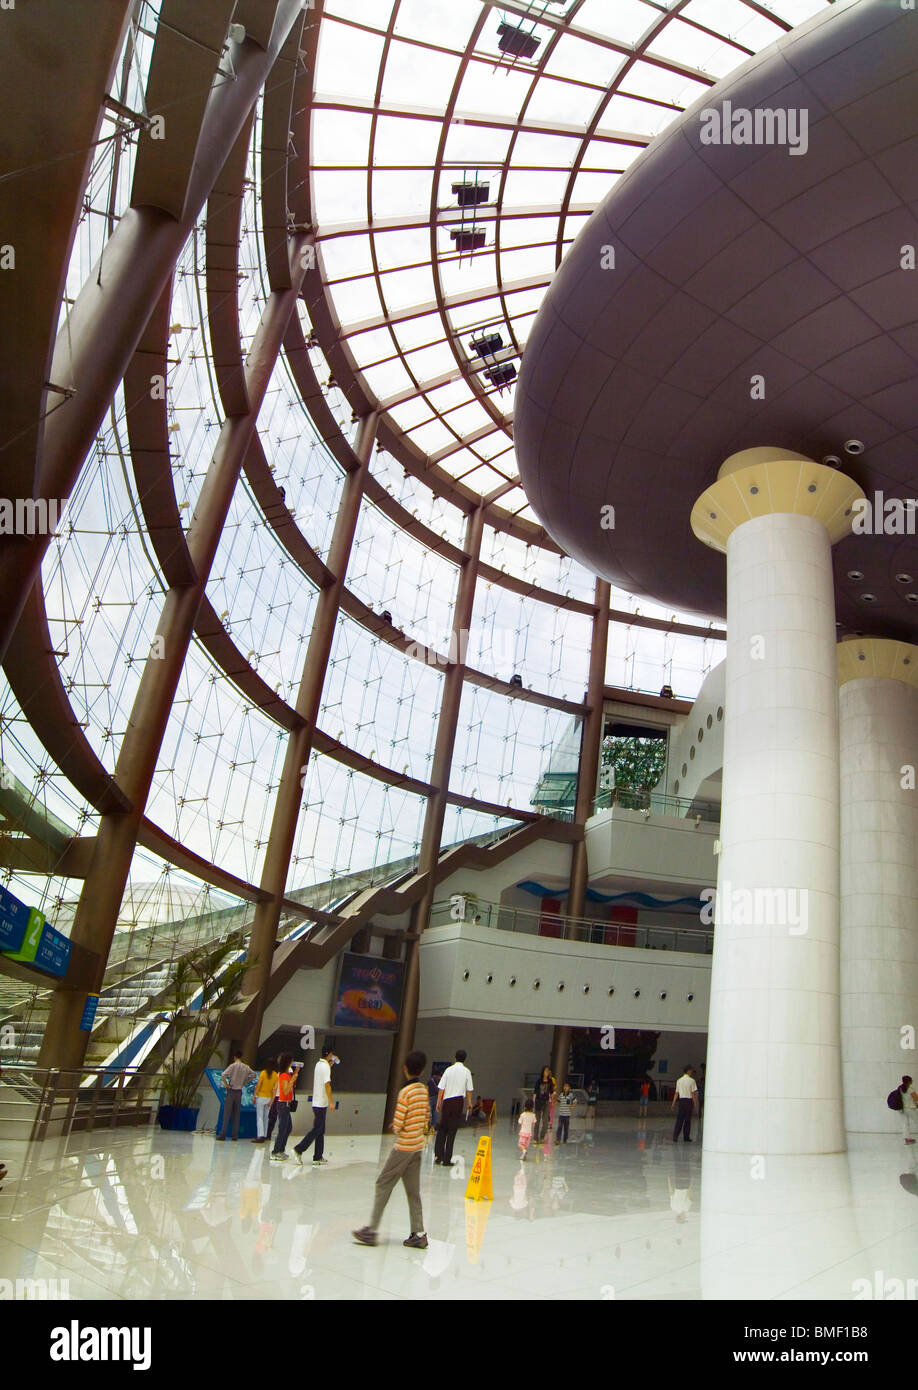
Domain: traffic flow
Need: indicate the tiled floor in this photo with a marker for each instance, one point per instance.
(624, 1214)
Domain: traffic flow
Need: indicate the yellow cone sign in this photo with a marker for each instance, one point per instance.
(479, 1188)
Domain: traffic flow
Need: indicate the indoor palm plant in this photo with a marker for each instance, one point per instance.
(205, 983)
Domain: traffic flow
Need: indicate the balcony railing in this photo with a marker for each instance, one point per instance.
(693, 937)
(658, 804)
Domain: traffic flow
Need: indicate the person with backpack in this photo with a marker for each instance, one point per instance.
(904, 1099)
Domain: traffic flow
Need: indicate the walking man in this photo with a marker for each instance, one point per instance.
(412, 1114)
(236, 1076)
(684, 1095)
(321, 1104)
(453, 1096)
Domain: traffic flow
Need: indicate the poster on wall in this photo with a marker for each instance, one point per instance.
(369, 993)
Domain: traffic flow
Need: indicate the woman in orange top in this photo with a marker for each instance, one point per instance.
(288, 1075)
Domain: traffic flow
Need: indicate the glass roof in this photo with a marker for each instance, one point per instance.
(457, 147)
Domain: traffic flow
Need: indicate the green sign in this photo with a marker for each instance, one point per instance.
(31, 939)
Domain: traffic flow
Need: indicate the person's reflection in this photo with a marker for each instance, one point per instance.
(518, 1198)
(681, 1191)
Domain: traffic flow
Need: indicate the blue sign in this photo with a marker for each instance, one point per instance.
(53, 954)
(89, 1013)
(14, 918)
(369, 993)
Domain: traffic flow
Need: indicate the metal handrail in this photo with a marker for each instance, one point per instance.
(62, 1094)
(658, 803)
(607, 932)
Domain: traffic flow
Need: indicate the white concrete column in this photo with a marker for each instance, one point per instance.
(878, 707)
(774, 1057)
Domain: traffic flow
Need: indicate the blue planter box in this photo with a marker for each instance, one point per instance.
(177, 1117)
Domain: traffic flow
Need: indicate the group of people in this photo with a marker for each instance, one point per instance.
(535, 1115)
(275, 1102)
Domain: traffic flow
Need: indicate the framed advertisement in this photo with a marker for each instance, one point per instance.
(368, 993)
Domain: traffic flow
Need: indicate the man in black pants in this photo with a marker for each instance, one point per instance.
(453, 1096)
(685, 1093)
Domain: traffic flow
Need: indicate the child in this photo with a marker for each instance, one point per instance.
(645, 1097)
(526, 1123)
(566, 1103)
(412, 1113)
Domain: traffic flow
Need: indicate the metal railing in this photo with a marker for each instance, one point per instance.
(77, 1098)
(556, 926)
(658, 804)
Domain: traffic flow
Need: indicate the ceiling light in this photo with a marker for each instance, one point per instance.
(853, 446)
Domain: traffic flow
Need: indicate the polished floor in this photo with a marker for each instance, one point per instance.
(621, 1213)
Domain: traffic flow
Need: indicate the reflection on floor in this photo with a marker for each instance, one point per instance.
(622, 1213)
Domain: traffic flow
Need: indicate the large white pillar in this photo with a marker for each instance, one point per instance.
(774, 1057)
(878, 729)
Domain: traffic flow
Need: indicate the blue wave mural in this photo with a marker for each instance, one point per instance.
(538, 890)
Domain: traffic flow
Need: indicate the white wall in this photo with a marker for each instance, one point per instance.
(448, 952)
(708, 759)
(656, 849)
(500, 1054)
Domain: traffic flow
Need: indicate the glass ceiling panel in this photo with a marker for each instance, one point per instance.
(345, 58)
(347, 255)
(590, 62)
(377, 12)
(398, 193)
(696, 48)
(625, 20)
(340, 137)
(449, 25)
(424, 73)
(401, 140)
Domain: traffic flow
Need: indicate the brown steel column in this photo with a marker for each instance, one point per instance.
(104, 326)
(100, 901)
(590, 746)
(453, 682)
(299, 745)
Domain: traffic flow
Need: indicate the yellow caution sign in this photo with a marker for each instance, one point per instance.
(476, 1219)
(479, 1188)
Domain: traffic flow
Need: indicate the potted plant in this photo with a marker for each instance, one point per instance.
(205, 983)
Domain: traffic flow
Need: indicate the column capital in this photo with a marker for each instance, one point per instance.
(863, 658)
(768, 480)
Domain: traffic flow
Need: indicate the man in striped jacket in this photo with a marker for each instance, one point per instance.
(412, 1115)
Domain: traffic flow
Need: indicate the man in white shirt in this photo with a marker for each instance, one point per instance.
(234, 1078)
(684, 1095)
(453, 1096)
(321, 1104)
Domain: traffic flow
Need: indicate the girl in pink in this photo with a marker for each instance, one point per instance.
(527, 1124)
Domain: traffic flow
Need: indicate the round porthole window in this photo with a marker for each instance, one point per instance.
(465, 974)
(690, 997)
(684, 769)
(490, 979)
(637, 994)
(561, 987)
(611, 990)
(676, 786)
(586, 989)
(663, 994)
(701, 735)
(537, 984)
(720, 712)
(512, 981)
(691, 753)
(710, 720)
